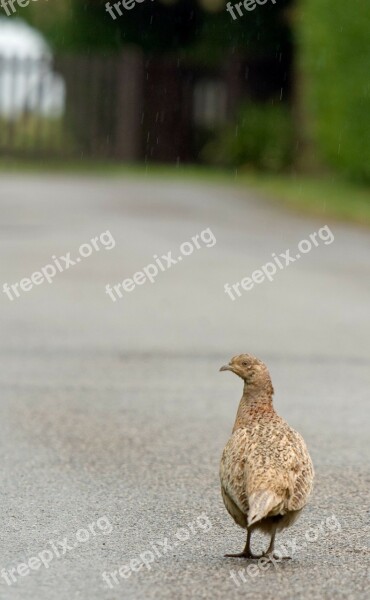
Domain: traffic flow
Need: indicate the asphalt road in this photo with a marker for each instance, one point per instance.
(114, 415)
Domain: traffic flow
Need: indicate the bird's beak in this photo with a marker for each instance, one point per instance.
(226, 368)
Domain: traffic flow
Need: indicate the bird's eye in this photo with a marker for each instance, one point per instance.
(244, 364)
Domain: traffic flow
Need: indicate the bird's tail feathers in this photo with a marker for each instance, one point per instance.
(261, 503)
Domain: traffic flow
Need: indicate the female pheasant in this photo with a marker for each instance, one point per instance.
(266, 471)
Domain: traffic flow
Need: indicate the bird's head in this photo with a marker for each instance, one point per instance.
(252, 370)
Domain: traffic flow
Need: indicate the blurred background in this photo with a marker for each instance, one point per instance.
(281, 89)
(154, 126)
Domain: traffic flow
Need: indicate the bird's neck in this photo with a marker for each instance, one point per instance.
(255, 403)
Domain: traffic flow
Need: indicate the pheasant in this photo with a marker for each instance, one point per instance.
(266, 471)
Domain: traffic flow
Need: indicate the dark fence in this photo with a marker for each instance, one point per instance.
(29, 119)
(69, 106)
(126, 107)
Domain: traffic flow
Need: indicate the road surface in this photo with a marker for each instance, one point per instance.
(114, 414)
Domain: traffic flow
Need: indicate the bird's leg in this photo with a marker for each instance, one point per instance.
(247, 553)
(270, 550)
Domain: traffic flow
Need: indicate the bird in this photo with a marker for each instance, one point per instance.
(266, 471)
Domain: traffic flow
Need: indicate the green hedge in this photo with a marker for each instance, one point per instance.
(334, 39)
(261, 138)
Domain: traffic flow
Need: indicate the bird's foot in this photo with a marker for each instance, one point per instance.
(274, 556)
(241, 555)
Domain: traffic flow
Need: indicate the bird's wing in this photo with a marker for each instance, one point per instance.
(278, 471)
(232, 469)
(301, 474)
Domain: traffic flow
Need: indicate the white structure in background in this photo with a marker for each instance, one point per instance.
(30, 85)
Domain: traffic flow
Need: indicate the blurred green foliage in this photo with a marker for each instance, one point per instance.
(334, 40)
(261, 138)
(332, 43)
(161, 26)
(46, 133)
(53, 21)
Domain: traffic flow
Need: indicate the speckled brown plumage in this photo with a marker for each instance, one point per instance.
(266, 471)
